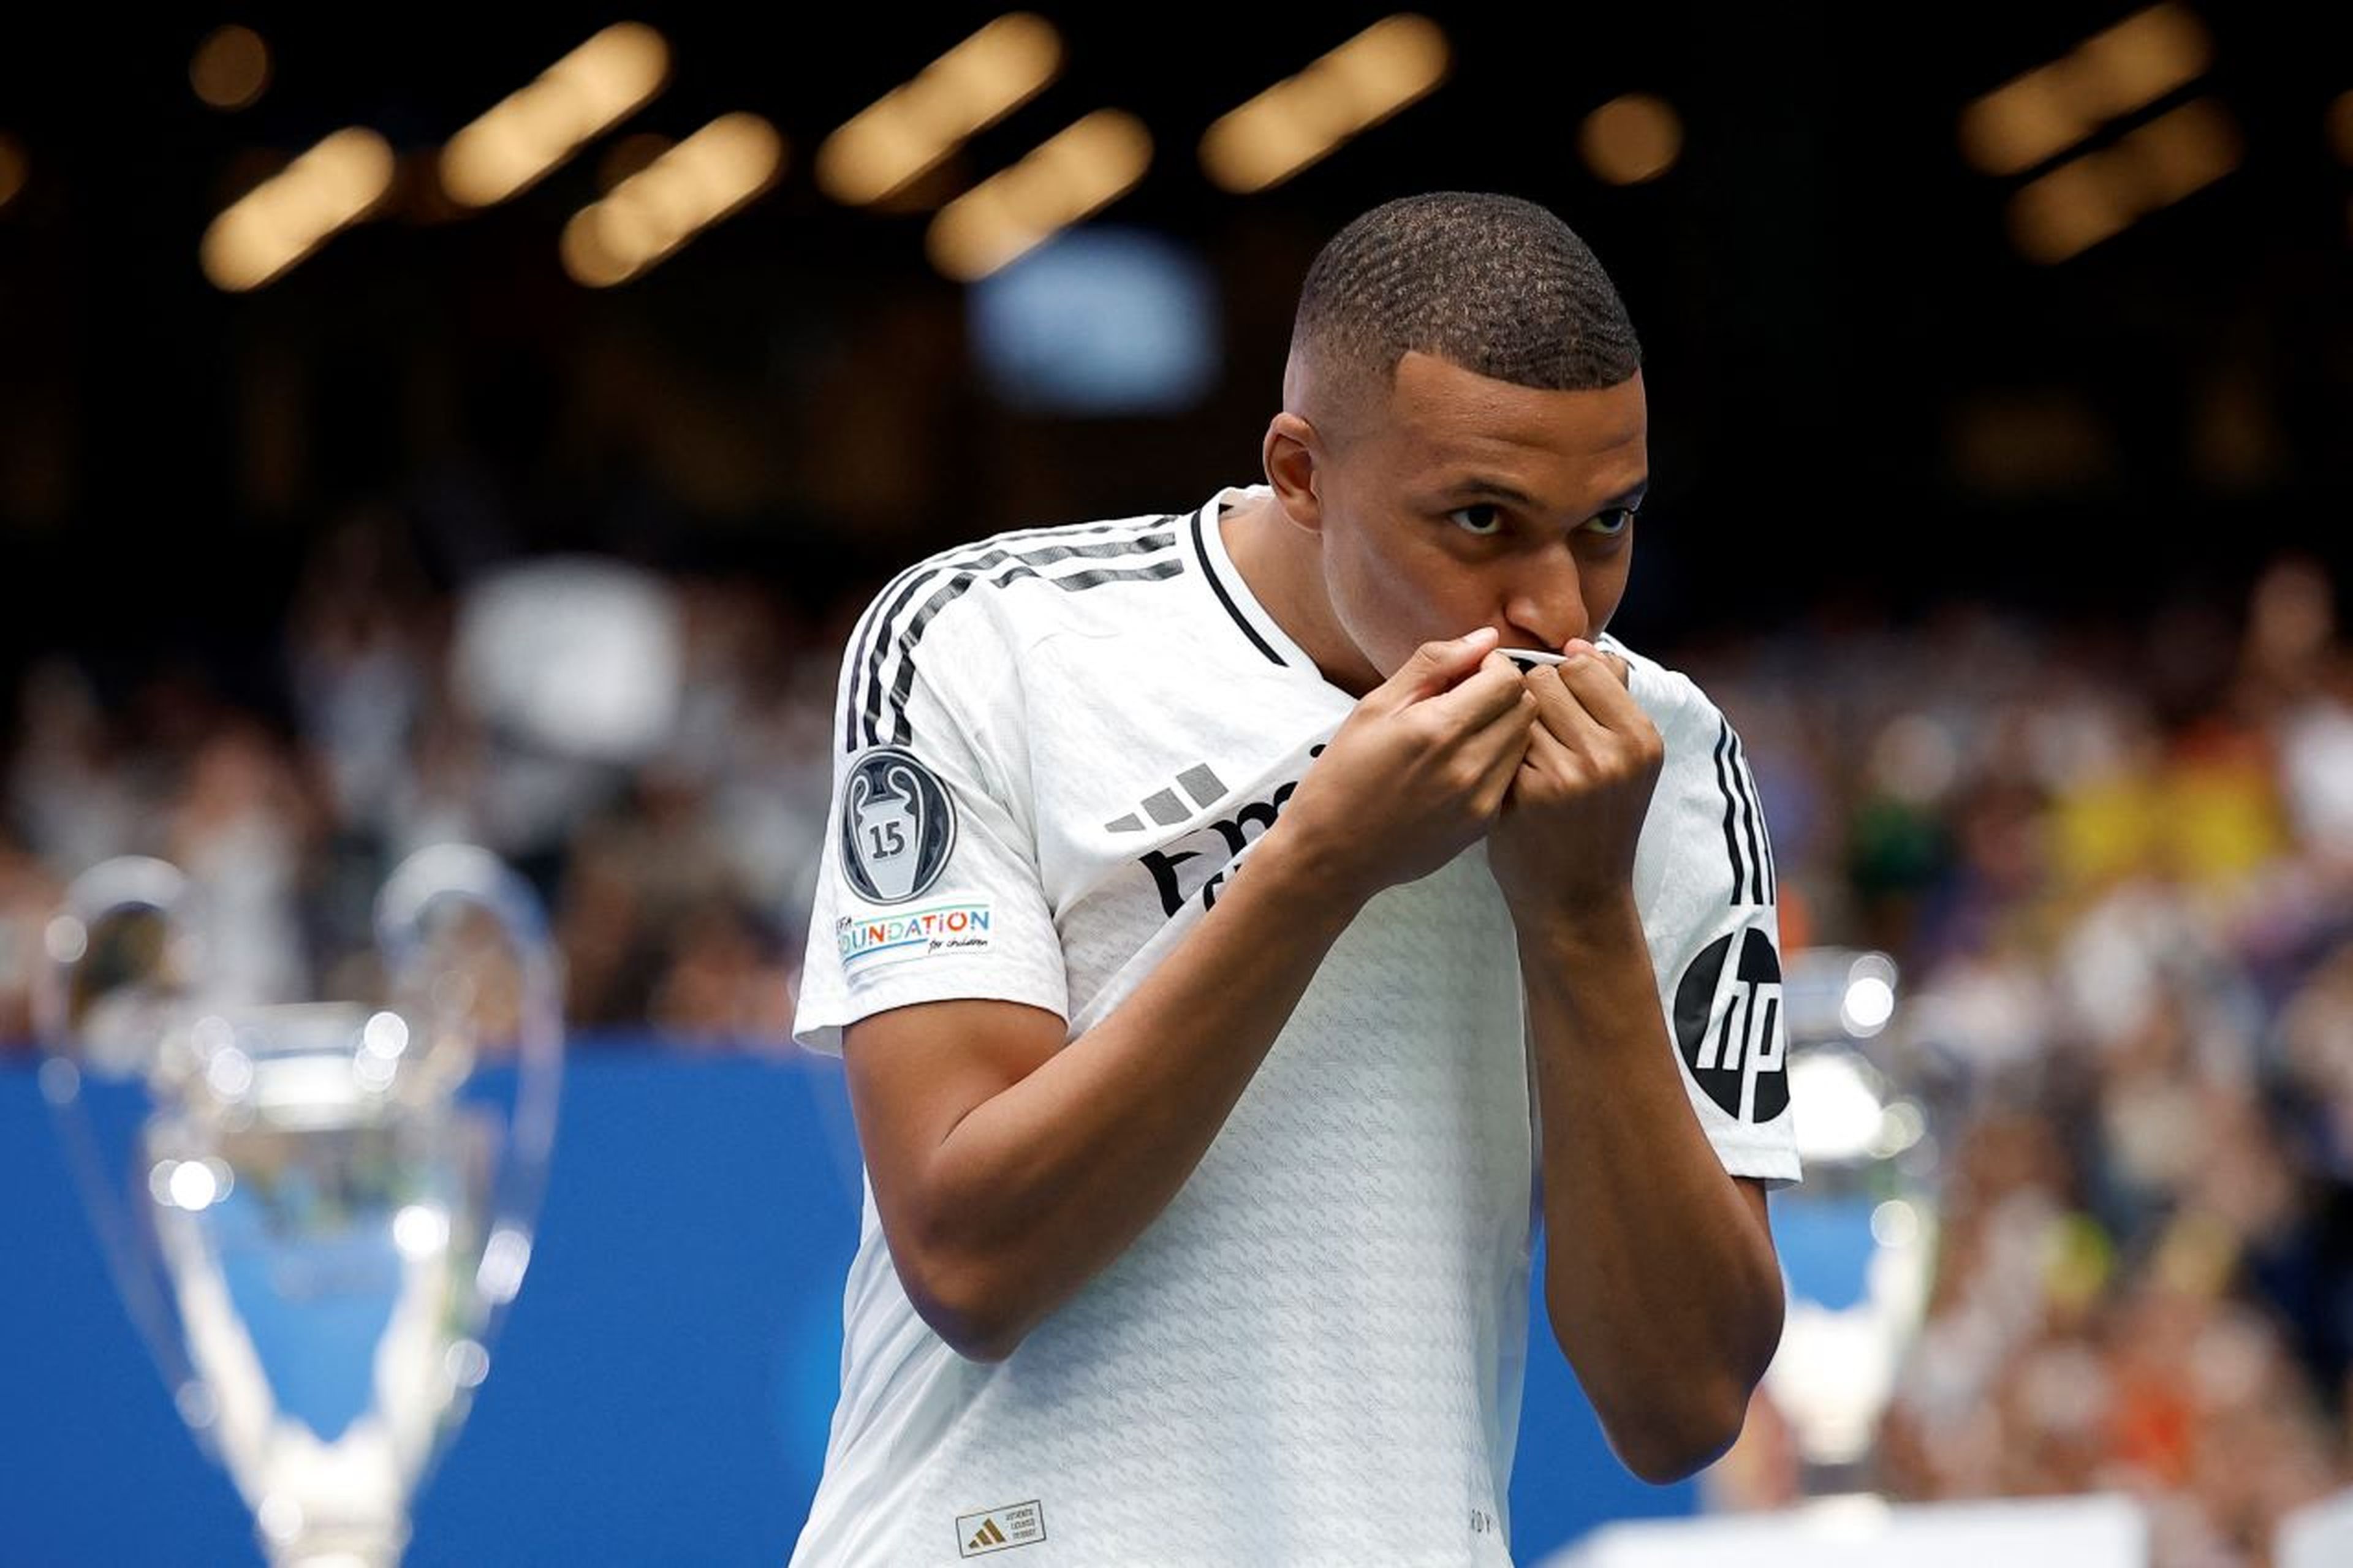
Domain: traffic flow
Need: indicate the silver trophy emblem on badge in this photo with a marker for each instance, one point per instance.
(889, 825)
(317, 1211)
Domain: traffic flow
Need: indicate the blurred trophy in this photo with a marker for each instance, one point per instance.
(316, 1211)
(1857, 1239)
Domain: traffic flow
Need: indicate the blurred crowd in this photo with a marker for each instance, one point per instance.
(666, 810)
(2114, 862)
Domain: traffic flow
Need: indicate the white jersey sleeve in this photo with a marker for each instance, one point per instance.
(1704, 873)
(929, 888)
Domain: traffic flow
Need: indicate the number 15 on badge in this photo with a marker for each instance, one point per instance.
(898, 826)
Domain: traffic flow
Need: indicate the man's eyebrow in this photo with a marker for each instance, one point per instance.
(1477, 485)
(1474, 485)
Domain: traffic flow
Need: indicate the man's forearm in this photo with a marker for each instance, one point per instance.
(1050, 1180)
(1664, 1291)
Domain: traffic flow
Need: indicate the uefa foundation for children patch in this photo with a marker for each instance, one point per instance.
(898, 826)
(872, 938)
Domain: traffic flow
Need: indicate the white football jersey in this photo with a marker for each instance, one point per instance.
(1053, 748)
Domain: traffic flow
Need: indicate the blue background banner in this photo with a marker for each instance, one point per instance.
(660, 1394)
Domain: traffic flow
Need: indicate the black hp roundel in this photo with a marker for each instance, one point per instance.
(1729, 1026)
(898, 826)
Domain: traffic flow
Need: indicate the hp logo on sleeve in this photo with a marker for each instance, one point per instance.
(1729, 1026)
(898, 826)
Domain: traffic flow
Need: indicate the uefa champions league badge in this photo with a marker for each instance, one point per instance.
(898, 826)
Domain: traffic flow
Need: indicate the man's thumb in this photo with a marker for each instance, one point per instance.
(1436, 666)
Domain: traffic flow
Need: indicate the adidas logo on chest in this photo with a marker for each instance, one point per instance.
(1162, 807)
(1195, 864)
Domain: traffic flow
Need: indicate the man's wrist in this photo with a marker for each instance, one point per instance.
(1305, 869)
(1598, 928)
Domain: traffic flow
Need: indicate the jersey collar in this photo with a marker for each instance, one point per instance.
(1256, 632)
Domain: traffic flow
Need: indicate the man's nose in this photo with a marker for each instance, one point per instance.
(1546, 605)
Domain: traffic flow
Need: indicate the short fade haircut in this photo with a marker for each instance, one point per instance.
(1493, 284)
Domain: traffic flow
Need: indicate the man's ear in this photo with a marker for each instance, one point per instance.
(1290, 454)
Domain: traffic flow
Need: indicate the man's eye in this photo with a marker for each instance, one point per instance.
(1613, 522)
(1482, 520)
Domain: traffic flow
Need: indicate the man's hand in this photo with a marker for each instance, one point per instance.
(1563, 845)
(1417, 771)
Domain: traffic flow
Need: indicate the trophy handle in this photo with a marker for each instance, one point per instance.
(418, 889)
(124, 885)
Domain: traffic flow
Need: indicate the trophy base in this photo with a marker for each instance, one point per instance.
(336, 1548)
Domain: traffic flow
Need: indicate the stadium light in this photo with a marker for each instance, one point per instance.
(1868, 1001)
(2185, 151)
(291, 213)
(2054, 107)
(1631, 139)
(911, 129)
(2100, 194)
(1077, 173)
(2140, 59)
(1300, 120)
(532, 131)
(2069, 210)
(685, 191)
(231, 68)
(1842, 1105)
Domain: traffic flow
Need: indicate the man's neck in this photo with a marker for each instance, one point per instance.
(1281, 565)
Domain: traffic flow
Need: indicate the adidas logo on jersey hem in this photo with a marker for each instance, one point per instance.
(1001, 1529)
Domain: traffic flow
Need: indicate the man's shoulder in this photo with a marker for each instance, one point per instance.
(1021, 584)
(1707, 835)
(955, 628)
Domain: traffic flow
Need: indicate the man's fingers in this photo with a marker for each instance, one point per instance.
(1561, 710)
(1500, 750)
(1586, 696)
(1495, 747)
(1436, 666)
(1493, 690)
(1545, 750)
(1601, 681)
